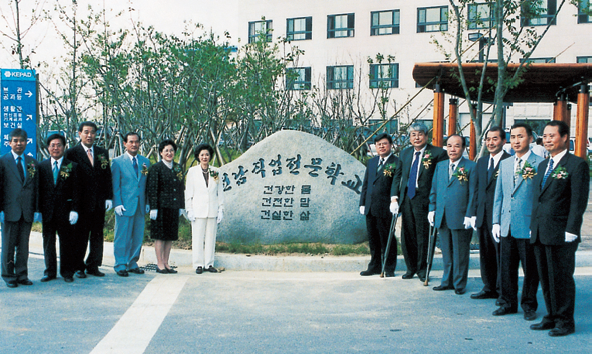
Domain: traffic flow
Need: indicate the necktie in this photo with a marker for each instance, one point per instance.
(413, 176)
(549, 170)
(135, 163)
(452, 167)
(90, 157)
(55, 172)
(19, 166)
(517, 170)
(490, 169)
(380, 163)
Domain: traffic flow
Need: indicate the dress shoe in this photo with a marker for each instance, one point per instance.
(543, 326)
(161, 271)
(80, 274)
(442, 287)
(408, 275)
(46, 278)
(503, 311)
(459, 291)
(96, 272)
(199, 270)
(122, 273)
(498, 302)
(484, 295)
(136, 271)
(11, 284)
(171, 270)
(368, 272)
(68, 279)
(212, 269)
(389, 274)
(530, 315)
(421, 279)
(561, 331)
(24, 282)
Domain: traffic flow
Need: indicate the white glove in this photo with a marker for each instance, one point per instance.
(181, 211)
(153, 214)
(431, 216)
(37, 217)
(570, 237)
(394, 208)
(108, 204)
(189, 215)
(73, 217)
(119, 210)
(474, 222)
(496, 232)
(467, 223)
(362, 210)
(220, 215)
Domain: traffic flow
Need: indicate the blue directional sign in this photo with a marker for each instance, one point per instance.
(18, 106)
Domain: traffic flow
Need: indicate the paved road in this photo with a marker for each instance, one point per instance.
(268, 312)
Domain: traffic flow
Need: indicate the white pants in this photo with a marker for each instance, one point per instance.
(203, 241)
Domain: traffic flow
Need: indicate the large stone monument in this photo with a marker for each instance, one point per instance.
(293, 187)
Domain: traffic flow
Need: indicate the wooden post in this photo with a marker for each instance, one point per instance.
(567, 116)
(560, 108)
(438, 129)
(473, 137)
(452, 116)
(581, 148)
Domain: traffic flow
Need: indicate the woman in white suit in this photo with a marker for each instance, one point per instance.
(204, 204)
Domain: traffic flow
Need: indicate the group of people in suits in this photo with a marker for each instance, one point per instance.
(71, 191)
(526, 210)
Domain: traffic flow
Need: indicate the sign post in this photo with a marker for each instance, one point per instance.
(18, 106)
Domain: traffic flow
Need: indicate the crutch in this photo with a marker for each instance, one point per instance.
(388, 243)
(431, 251)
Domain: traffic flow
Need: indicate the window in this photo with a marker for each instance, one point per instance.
(432, 19)
(384, 75)
(299, 29)
(584, 60)
(340, 77)
(340, 26)
(259, 30)
(538, 12)
(537, 60)
(384, 22)
(585, 11)
(298, 78)
(481, 16)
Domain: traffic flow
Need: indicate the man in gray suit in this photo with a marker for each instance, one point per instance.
(129, 197)
(511, 219)
(452, 211)
(19, 202)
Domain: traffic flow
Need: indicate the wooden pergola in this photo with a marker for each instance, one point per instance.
(553, 83)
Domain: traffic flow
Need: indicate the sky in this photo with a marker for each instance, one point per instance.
(168, 16)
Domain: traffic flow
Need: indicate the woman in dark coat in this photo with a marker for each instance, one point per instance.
(165, 188)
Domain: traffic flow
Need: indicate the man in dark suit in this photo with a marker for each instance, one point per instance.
(94, 175)
(560, 197)
(487, 171)
(452, 210)
(374, 203)
(19, 202)
(411, 191)
(59, 202)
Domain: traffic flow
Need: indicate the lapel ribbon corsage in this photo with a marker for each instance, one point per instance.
(65, 170)
(427, 159)
(389, 170)
(31, 169)
(177, 170)
(560, 173)
(104, 161)
(144, 169)
(461, 174)
(528, 171)
(214, 175)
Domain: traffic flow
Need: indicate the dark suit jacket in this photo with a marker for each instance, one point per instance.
(424, 181)
(95, 181)
(486, 189)
(57, 201)
(451, 198)
(19, 199)
(164, 188)
(376, 188)
(559, 206)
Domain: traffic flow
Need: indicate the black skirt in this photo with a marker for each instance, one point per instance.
(166, 225)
